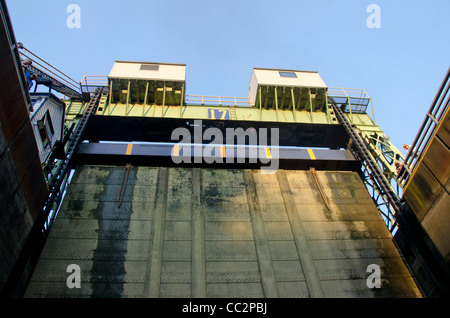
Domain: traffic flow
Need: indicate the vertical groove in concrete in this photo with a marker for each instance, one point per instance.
(159, 217)
(304, 253)
(198, 237)
(261, 242)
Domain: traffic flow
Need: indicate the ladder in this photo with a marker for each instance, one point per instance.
(57, 183)
(383, 187)
(233, 115)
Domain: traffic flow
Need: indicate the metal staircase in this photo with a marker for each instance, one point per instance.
(384, 196)
(58, 182)
(50, 76)
(233, 115)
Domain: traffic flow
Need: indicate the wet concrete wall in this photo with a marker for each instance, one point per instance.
(182, 232)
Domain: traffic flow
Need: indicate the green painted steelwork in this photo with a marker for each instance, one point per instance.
(273, 104)
(282, 104)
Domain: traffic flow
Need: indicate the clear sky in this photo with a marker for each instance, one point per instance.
(400, 64)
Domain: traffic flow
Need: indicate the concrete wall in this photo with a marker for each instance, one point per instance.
(183, 232)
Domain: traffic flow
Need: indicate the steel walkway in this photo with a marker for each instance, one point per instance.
(49, 76)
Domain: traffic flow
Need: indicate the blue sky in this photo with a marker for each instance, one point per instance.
(400, 65)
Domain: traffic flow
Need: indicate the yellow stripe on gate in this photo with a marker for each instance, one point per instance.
(176, 150)
(129, 147)
(268, 154)
(311, 154)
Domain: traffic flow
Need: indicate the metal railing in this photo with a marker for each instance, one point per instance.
(356, 100)
(218, 100)
(348, 92)
(433, 118)
(39, 64)
(384, 196)
(90, 83)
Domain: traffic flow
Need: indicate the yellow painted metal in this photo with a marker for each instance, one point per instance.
(293, 102)
(222, 151)
(128, 97)
(268, 153)
(202, 112)
(276, 102)
(176, 150)
(311, 154)
(260, 104)
(384, 152)
(145, 98)
(218, 100)
(129, 149)
(299, 110)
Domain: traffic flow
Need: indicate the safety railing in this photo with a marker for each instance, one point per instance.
(90, 83)
(348, 92)
(433, 118)
(356, 100)
(218, 100)
(39, 64)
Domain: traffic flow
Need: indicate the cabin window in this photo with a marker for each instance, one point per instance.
(149, 67)
(288, 74)
(46, 130)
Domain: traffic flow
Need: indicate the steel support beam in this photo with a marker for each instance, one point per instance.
(226, 156)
